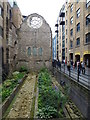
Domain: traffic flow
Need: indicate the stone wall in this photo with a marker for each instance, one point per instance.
(37, 37)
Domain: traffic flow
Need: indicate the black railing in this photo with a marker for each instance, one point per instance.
(75, 73)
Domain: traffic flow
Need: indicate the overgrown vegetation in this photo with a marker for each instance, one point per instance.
(51, 100)
(9, 84)
(23, 69)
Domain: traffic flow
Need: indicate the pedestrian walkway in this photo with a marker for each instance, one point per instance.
(83, 78)
(22, 106)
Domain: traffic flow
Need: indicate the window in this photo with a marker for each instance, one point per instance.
(10, 14)
(78, 42)
(87, 3)
(71, 20)
(29, 51)
(63, 27)
(1, 31)
(88, 38)
(71, 32)
(88, 20)
(66, 22)
(35, 51)
(66, 40)
(66, 31)
(78, 13)
(63, 44)
(66, 13)
(78, 27)
(71, 44)
(66, 50)
(1, 11)
(40, 51)
(71, 9)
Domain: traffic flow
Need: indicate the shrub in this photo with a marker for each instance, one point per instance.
(23, 69)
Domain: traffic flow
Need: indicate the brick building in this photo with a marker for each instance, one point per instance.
(78, 31)
(34, 43)
(74, 36)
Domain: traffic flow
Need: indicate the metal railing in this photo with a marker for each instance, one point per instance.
(74, 73)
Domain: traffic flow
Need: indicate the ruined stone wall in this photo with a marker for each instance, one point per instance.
(34, 43)
(13, 49)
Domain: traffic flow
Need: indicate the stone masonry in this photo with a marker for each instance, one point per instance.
(34, 43)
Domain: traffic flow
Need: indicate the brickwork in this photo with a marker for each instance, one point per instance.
(81, 51)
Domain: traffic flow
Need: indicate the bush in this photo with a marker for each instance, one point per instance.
(23, 69)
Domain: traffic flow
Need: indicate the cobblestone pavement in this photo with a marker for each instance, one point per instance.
(22, 106)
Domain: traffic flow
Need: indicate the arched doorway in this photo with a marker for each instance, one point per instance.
(71, 56)
(87, 60)
(77, 58)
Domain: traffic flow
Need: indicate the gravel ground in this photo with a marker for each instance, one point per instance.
(22, 106)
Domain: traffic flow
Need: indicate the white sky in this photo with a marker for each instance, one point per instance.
(49, 9)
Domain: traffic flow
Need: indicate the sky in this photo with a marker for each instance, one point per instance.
(49, 9)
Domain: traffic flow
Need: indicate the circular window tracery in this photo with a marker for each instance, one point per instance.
(35, 22)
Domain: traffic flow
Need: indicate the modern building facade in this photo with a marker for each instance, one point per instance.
(61, 35)
(54, 47)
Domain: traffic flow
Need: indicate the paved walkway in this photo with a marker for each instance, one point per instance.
(22, 106)
(83, 78)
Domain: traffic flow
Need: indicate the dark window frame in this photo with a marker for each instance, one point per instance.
(87, 38)
(40, 51)
(78, 13)
(87, 20)
(71, 44)
(71, 20)
(71, 8)
(29, 51)
(78, 41)
(78, 27)
(71, 32)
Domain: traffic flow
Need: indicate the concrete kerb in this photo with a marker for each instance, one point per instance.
(8, 101)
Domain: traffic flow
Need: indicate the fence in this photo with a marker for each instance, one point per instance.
(73, 73)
